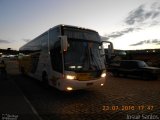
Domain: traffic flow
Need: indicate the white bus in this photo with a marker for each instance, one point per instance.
(65, 57)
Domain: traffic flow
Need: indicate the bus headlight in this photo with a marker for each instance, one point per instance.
(103, 74)
(70, 77)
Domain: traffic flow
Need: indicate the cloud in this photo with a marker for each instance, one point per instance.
(139, 19)
(135, 16)
(4, 41)
(121, 33)
(154, 41)
(142, 14)
(103, 38)
(26, 40)
(154, 23)
(157, 42)
(136, 44)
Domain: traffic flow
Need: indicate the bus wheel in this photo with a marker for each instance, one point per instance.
(22, 70)
(45, 79)
(115, 73)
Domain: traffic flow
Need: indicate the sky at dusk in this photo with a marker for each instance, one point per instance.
(129, 24)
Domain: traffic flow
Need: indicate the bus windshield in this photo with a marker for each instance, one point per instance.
(83, 56)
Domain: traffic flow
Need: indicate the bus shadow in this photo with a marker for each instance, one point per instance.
(54, 92)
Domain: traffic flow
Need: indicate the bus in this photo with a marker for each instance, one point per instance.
(65, 57)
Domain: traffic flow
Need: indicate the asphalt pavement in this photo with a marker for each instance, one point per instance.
(13, 104)
(23, 98)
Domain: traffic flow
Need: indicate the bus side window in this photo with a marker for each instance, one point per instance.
(56, 57)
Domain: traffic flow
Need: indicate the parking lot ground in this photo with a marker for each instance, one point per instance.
(118, 99)
(13, 103)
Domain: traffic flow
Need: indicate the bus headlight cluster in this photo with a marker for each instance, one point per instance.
(71, 77)
(103, 74)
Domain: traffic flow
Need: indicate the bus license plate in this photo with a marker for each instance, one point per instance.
(89, 84)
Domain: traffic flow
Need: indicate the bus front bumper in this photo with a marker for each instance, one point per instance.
(68, 85)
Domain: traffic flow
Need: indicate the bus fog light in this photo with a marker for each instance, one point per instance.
(103, 75)
(102, 84)
(69, 88)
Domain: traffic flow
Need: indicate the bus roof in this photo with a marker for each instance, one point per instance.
(60, 25)
(71, 26)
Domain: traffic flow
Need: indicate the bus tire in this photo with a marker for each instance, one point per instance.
(45, 79)
(116, 73)
(22, 70)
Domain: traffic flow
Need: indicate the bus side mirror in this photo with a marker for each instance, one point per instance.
(64, 43)
(110, 48)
